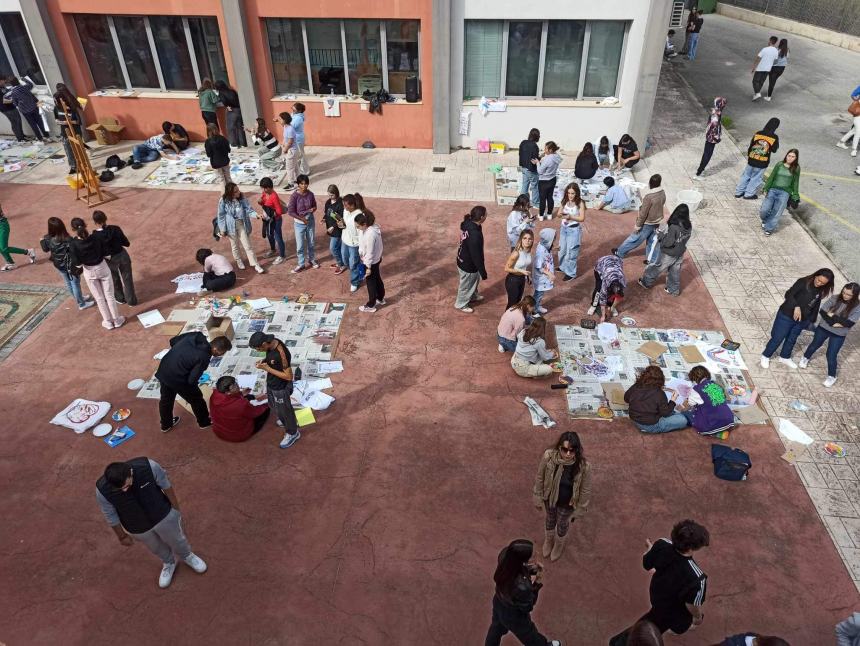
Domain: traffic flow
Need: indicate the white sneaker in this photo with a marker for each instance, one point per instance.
(289, 440)
(829, 382)
(698, 178)
(477, 299)
(501, 349)
(353, 288)
(240, 264)
(279, 423)
(86, 305)
(118, 322)
(591, 310)
(367, 310)
(278, 260)
(380, 302)
(789, 363)
(196, 563)
(166, 575)
(842, 144)
(803, 362)
(756, 96)
(259, 269)
(542, 310)
(767, 98)
(466, 310)
(765, 362)
(853, 153)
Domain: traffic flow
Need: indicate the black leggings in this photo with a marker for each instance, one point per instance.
(775, 73)
(210, 117)
(706, 157)
(545, 191)
(217, 283)
(515, 286)
(375, 286)
(519, 622)
(598, 283)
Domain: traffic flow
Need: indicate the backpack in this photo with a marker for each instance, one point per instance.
(729, 463)
(114, 162)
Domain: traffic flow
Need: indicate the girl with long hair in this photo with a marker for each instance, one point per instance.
(782, 186)
(58, 244)
(836, 318)
(673, 245)
(650, 410)
(208, 98)
(798, 312)
(234, 221)
(531, 353)
(572, 214)
(543, 273)
(268, 148)
(334, 226)
(778, 67)
(67, 111)
(518, 582)
(586, 162)
(603, 150)
(513, 321)
(235, 125)
(353, 205)
(370, 250)
(88, 253)
(520, 219)
(470, 259)
(218, 151)
(562, 490)
(519, 267)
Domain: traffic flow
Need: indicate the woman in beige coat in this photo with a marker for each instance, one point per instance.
(563, 490)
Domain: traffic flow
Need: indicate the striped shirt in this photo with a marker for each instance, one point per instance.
(22, 98)
(267, 139)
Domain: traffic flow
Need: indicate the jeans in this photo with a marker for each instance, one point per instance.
(190, 394)
(123, 282)
(529, 186)
(668, 263)
(637, 238)
(758, 81)
(772, 207)
(568, 249)
(142, 153)
(673, 422)
(546, 187)
(538, 296)
(73, 284)
(375, 286)
(166, 538)
(707, 153)
(467, 290)
(694, 43)
(336, 247)
(515, 620)
(507, 344)
(834, 344)
(305, 236)
(273, 231)
(775, 73)
(352, 260)
(67, 147)
(750, 181)
(784, 332)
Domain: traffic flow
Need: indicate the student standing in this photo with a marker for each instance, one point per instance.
(836, 318)
(673, 245)
(713, 135)
(208, 100)
(650, 410)
(782, 186)
(115, 242)
(562, 490)
(6, 251)
(234, 221)
(529, 152)
(268, 148)
(762, 145)
(274, 210)
(218, 273)
(11, 113)
(763, 63)
(63, 116)
(514, 321)
(235, 126)
(334, 226)
(58, 244)
(688, 30)
(299, 126)
(279, 383)
(586, 163)
(353, 205)
(234, 418)
(609, 285)
(543, 271)
(694, 35)
(647, 222)
(778, 67)
(798, 312)
(88, 253)
(572, 214)
(520, 219)
(854, 112)
(138, 502)
(518, 267)
(518, 581)
(370, 251)
(301, 208)
(218, 151)
(21, 96)
(531, 354)
(470, 259)
(547, 177)
(289, 148)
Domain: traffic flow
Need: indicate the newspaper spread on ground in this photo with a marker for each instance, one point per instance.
(508, 184)
(15, 155)
(192, 167)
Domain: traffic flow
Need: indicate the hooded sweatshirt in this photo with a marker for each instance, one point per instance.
(677, 581)
(548, 166)
(187, 359)
(714, 131)
(543, 262)
(674, 241)
(470, 253)
(763, 144)
(370, 245)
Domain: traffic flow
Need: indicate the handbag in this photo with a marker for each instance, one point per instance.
(854, 109)
(730, 464)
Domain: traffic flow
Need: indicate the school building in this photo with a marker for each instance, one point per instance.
(574, 69)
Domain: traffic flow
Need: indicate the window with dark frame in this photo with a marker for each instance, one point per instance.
(17, 57)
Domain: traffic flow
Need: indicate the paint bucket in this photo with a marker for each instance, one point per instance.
(692, 198)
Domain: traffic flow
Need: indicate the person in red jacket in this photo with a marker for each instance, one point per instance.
(234, 418)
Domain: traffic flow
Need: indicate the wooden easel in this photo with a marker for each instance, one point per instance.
(85, 177)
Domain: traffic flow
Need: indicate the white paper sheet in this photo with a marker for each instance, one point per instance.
(246, 381)
(317, 400)
(259, 303)
(791, 432)
(189, 285)
(160, 355)
(259, 402)
(150, 318)
(326, 367)
(607, 331)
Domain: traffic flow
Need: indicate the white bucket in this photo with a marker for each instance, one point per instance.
(691, 198)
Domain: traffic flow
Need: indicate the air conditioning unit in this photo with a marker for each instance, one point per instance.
(677, 16)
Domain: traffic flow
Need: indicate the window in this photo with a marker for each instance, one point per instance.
(161, 52)
(16, 55)
(342, 56)
(552, 59)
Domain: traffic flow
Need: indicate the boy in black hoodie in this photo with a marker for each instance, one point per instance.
(762, 145)
(470, 259)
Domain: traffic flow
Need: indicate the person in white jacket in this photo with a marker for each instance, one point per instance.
(520, 219)
(370, 250)
(353, 204)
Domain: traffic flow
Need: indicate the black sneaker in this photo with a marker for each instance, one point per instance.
(568, 277)
(137, 165)
(175, 422)
(205, 426)
(614, 251)
(750, 197)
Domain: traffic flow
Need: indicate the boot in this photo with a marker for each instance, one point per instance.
(558, 548)
(549, 537)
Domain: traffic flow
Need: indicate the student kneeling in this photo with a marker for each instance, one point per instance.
(650, 409)
(218, 273)
(531, 352)
(709, 412)
(234, 418)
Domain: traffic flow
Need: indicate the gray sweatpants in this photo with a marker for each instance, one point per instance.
(166, 539)
(468, 289)
(668, 263)
(282, 407)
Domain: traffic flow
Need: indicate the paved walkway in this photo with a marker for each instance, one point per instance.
(747, 274)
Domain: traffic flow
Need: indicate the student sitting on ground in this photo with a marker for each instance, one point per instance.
(616, 199)
(669, 50)
(513, 321)
(151, 149)
(708, 411)
(627, 153)
(177, 133)
(650, 409)
(218, 273)
(234, 418)
(531, 354)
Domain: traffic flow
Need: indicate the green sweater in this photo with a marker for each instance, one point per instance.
(208, 101)
(782, 178)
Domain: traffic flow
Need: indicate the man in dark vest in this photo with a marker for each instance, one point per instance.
(138, 502)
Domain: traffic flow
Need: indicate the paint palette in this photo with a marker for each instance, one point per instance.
(120, 414)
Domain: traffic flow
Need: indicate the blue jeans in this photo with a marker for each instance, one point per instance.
(694, 43)
(73, 284)
(637, 238)
(142, 153)
(507, 344)
(673, 422)
(568, 249)
(750, 181)
(833, 346)
(351, 260)
(771, 209)
(336, 248)
(276, 236)
(538, 296)
(529, 186)
(784, 332)
(305, 235)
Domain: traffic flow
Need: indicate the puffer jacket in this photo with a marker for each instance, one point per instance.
(581, 484)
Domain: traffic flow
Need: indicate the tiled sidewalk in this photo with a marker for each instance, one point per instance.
(747, 275)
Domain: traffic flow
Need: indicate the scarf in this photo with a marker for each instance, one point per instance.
(558, 463)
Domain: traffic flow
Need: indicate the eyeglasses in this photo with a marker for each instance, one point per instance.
(565, 449)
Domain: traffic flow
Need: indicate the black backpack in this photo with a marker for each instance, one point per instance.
(729, 463)
(114, 162)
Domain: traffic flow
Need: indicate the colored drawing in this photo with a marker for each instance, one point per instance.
(718, 355)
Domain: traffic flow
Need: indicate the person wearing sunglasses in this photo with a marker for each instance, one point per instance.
(562, 490)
